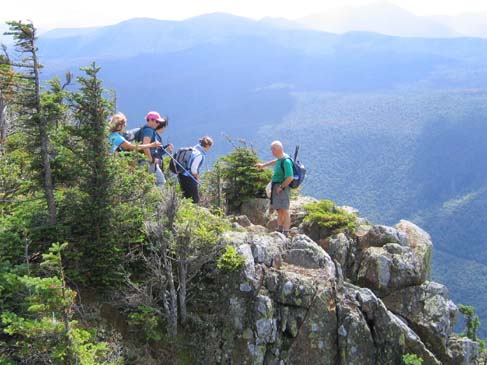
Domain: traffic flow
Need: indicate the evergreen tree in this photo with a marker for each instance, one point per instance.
(35, 121)
(94, 213)
(7, 93)
(47, 333)
(242, 181)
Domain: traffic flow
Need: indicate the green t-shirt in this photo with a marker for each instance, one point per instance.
(280, 173)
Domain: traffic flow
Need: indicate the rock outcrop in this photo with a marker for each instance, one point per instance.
(351, 298)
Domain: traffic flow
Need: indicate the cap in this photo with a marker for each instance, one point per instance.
(154, 116)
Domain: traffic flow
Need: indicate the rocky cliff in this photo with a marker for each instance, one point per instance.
(320, 298)
(315, 298)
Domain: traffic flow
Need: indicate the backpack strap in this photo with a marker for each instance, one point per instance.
(141, 130)
(282, 165)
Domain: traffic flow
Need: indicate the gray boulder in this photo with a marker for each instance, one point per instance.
(256, 210)
(463, 351)
(243, 221)
(268, 249)
(389, 268)
(420, 242)
(304, 252)
(297, 211)
(355, 341)
(429, 313)
(343, 251)
(378, 236)
(392, 337)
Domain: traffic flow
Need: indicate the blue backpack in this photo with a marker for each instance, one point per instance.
(299, 171)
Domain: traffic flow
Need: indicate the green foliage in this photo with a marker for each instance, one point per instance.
(148, 319)
(205, 227)
(212, 188)
(472, 321)
(230, 260)
(241, 179)
(412, 359)
(326, 214)
(46, 332)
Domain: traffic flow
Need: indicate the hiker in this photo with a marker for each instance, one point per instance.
(189, 178)
(281, 179)
(162, 151)
(118, 142)
(154, 155)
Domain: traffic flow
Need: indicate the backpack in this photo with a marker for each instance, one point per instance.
(299, 171)
(135, 135)
(131, 134)
(138, 134)
(181, 160)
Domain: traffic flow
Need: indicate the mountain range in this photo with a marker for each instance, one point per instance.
(387, 18)
(391, 125)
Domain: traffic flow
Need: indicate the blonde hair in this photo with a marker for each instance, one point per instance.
(117, 122)
(206, 141)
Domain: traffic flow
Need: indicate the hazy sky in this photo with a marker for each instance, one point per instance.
(69, 13)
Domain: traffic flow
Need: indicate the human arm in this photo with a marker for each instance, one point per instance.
(145, 141)
(195, 166)
(167, 149)
(127, 146)
(285, 184)
(261, 166)
(287, 166)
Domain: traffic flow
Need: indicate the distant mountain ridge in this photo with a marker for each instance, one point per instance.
(380, 17)
(386, 18)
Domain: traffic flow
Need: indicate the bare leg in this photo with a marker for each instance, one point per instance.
(286, 219)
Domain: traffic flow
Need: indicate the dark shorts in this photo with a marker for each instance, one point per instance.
(281, 200)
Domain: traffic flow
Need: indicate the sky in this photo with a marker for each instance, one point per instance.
(49, 14)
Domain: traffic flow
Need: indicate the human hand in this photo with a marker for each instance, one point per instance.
(170, 148)
(260, 166)
(156, 144)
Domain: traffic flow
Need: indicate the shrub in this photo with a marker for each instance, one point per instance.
(230, 260)
(45, 331)
(472, 321)
(412, 359)
(326, 214)
(148, 319)
(242, 181)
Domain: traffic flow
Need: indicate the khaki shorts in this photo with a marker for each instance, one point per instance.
(281, 200)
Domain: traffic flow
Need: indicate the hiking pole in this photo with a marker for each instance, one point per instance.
(176, 161)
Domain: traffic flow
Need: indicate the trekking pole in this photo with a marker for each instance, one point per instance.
(177, 162)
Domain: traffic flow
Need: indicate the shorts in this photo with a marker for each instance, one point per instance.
(281, 200)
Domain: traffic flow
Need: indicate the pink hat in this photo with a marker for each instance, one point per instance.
(154, 116)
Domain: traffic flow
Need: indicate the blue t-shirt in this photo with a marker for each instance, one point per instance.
(115, 139)
(151, 133)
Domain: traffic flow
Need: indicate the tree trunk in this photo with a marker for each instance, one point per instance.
(173, 297)
(183, 273)
(44, 140)
(3, 121)
(48, 185)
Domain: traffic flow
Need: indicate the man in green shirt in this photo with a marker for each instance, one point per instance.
(281, 192)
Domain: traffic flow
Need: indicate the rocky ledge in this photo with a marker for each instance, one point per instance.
(315, 298)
